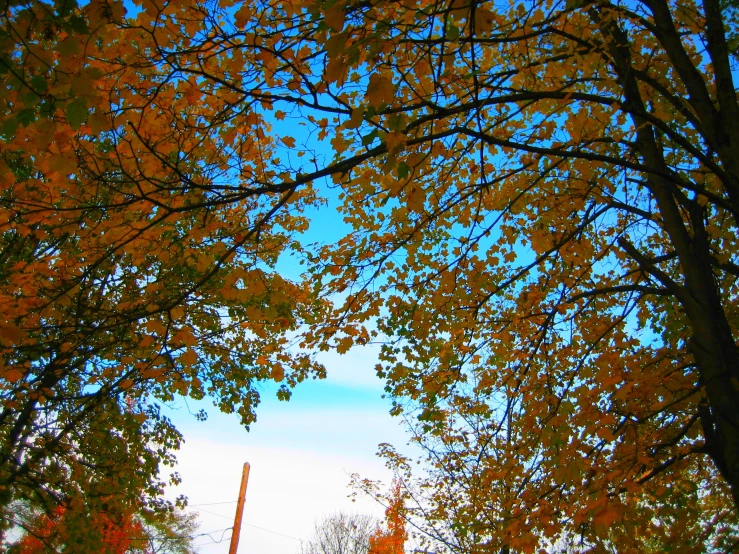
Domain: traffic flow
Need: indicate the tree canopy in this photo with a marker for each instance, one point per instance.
(133, 267)
(543, 197)
(112, 532)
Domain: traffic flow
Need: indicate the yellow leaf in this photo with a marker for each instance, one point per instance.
(380, 90)
(416, 198)
(336, 70)
(484, 20)
(356, 118)
(394, 142)
(288, 141)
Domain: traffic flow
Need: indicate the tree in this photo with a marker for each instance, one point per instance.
(543, 198)
(169, 533)
(392, 539)
(341, 533)
(136, 253)
(52, 533)
(547, 228)
(110, 533)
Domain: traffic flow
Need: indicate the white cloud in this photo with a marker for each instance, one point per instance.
(288, 490)
(301, 457)
(301, 452)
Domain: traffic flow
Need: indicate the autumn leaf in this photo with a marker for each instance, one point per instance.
(10, 334)
(334, 16)
(12, 375)
(243, 15)
(391, 539)
(380, 90)
(415, 198)
(337, 70)
(278, 372)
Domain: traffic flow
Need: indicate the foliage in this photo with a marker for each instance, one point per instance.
(341, 533)
(546, 228)
(136, 255)
(168, 532)
(544, 198)
(544, 203)
(392, 539)
(103, 533)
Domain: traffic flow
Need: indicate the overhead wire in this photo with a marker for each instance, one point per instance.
(271, 531)
(212, 503)
(208, 534)
(243, 523)
(213, 513)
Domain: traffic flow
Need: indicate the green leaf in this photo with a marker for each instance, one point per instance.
(396, 122)
(79, 25)
(369, 139)
(9, 128)
(452, 32)
(69, 46)
(5, 64)
(76, 112)
(38, 83)
(353, 54)
(403, 170)
(46, 108)
(65, 7)
(26, 116)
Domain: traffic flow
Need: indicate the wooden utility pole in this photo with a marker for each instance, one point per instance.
(239, 510)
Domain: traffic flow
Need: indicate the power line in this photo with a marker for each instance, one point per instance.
(249, 524)
(212, 503)
(275, 532)
(213, 513)
(165, 538)
(223, 533)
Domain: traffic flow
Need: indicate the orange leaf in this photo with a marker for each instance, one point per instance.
(278, 372)
(335, 16)
(12, 375)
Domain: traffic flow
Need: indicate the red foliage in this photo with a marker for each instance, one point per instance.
(392, 539)
(49, 532)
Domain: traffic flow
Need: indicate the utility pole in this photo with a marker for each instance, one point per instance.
(239, 510)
